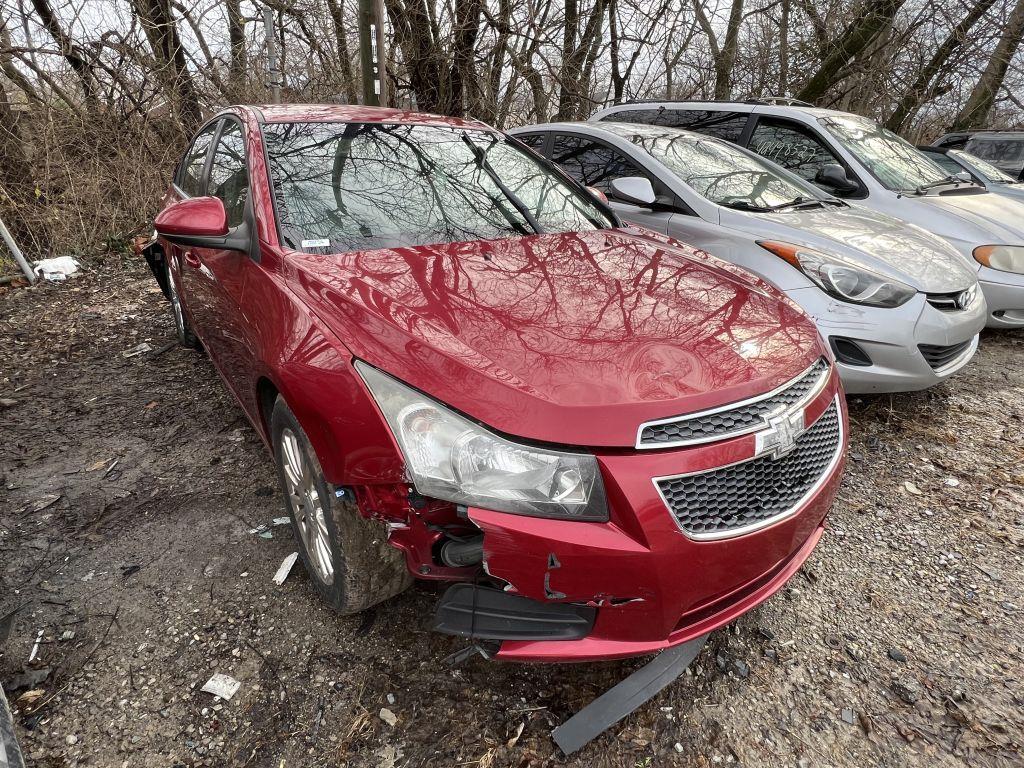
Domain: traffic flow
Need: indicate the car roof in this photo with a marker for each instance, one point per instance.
(738, 106)
(1000, 134)
(354, 113)
(611, 127)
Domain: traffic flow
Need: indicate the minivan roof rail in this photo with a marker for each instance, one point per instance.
(785, 101)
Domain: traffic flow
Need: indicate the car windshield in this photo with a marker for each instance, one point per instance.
(985, 168)
(717, 170)
(357, 186)
(896, 163)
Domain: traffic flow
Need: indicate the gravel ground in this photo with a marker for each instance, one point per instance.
(130, 485)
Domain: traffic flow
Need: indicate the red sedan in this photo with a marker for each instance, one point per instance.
(468, 370)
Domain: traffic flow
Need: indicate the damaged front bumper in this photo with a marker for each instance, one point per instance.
(637, 584)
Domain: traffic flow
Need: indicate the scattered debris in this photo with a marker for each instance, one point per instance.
(848, 716)
(138, 349)
(222, 686)
(7, 402)
(285, 568)
(952, 482)
(56, 269)
(388, 717)
(897, 655)
(912, 489)
(908, 690)
(35, 646)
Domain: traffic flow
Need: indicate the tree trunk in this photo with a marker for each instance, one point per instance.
(979, 104)
(335, 8)
(727, 56)
(920, 90)
(71, 52)
(162, 33)
(576, 48)
(872, 17)
(467, 26)
(237, 75)
(784, 49)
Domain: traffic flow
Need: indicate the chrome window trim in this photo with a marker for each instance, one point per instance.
(784, 515)
(814, 392)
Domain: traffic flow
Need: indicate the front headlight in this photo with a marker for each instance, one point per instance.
(1006, 258)
(450, 457)
(841, 279)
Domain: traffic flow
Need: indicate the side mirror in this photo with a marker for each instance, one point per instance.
(834, 175)
(201, 222)
(598, 194)
(634, 189)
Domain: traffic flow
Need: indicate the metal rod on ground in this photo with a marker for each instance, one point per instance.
(16, 252)
(10, 752)
(273, 74)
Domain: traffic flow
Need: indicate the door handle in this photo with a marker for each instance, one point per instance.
(191, 259)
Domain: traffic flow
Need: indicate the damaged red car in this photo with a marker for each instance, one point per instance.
(468, 370)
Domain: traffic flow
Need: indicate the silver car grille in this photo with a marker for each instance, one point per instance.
(744, 497)
(735, 419)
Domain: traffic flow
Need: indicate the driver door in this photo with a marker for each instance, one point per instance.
(229, 333)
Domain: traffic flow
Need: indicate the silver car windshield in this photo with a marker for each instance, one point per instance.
(896, 163)
(717, 170)
(985, 168)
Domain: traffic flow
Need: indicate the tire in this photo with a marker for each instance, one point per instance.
(346, 555)
(185, 335)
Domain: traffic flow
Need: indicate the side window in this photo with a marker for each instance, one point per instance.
(229, 176)
(793, 147)
(534, 141)
(720, 124)
(591, 163)
(190, 173)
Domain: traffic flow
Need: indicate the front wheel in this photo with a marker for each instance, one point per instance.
(185, 335)
(346, 555)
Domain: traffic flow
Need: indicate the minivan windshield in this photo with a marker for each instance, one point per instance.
(896, 163)
(719, 171)
(357, 186)
(990, 172)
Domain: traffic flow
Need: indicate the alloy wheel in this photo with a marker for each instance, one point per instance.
(308, 506)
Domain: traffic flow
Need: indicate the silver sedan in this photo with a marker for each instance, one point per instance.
(899, 307)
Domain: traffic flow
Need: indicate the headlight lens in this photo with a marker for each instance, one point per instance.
(1006, 258)
(841, 279)
(450, 457)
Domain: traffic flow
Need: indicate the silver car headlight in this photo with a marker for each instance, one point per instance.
(451, 458)
(841, 279)
(1005, 258)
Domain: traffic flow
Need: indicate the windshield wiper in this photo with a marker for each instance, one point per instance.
(481, 161)
(743, 205)
(922, 188)
(800, 202)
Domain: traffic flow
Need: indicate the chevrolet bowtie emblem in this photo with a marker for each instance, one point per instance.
(780, 436)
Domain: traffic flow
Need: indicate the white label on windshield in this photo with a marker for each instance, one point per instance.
(321, 243)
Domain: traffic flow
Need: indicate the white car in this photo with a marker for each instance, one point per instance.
(856, 159)
(898, 306)
(954, 161)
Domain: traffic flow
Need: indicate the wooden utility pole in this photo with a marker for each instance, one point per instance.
(273, 73)
(371, 52)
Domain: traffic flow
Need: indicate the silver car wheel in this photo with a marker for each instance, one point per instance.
(179, 317)
(307, 506)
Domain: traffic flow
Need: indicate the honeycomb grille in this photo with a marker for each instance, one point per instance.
(745, 418)
(719, 502)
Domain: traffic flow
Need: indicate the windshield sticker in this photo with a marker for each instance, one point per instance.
(322, 242)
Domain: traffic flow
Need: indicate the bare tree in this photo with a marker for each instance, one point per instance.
(976, 111)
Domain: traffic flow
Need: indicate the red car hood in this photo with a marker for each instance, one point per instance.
(566, 338)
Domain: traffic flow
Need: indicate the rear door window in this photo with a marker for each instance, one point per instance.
(190, 174)
(1006, 154)
(229, 176)
(718, 123)
(591, 163)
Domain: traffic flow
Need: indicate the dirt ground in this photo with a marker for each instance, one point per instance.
(130, 483)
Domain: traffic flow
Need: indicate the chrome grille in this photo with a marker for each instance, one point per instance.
(740, 498)
(736, 419)
(939, 357)
(952, 302)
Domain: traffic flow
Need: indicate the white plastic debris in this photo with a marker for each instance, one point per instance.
(389, 717)
(281, 520)
(35, 646)
(138, 349)
(222, 686)
(58, 268)
(952, 482)
(285, 568)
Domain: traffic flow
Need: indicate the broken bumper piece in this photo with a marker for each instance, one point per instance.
(485, 613)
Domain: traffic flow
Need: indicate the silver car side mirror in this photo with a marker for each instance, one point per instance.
(633, 189)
